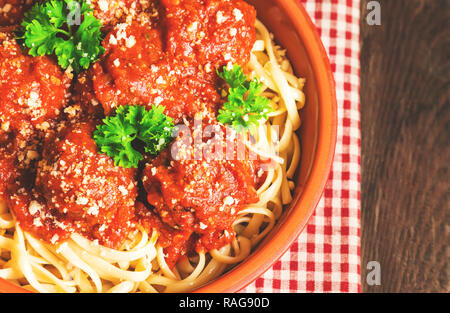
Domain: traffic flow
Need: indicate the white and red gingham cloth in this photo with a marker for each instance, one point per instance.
(326, 256)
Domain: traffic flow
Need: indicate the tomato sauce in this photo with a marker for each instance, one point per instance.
(34, 90)
(171, 59)
(157, 53)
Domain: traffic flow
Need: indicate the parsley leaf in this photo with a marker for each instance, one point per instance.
(155, 130)
(245, 106)
(117, 133)
(234, 77)
(51, 28)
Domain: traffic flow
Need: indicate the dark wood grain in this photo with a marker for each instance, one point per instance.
(405, 73)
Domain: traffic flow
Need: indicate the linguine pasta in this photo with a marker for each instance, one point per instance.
(81, 265)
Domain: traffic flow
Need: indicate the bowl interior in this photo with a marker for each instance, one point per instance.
(294, 31)
(285, 35)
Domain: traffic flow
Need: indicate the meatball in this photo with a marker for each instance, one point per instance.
(182, 189)
(34, 90)
(86, 187)
(173, 62)
(120, 77)
(201, 194)
(136, 70)
(228, 35)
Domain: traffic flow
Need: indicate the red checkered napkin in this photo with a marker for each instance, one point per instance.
(326, 256)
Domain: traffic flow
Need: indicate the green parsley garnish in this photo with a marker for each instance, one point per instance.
(115, 137)
(245, 106)
(64, 28)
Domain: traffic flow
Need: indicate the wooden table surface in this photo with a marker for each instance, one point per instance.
(405, 145)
